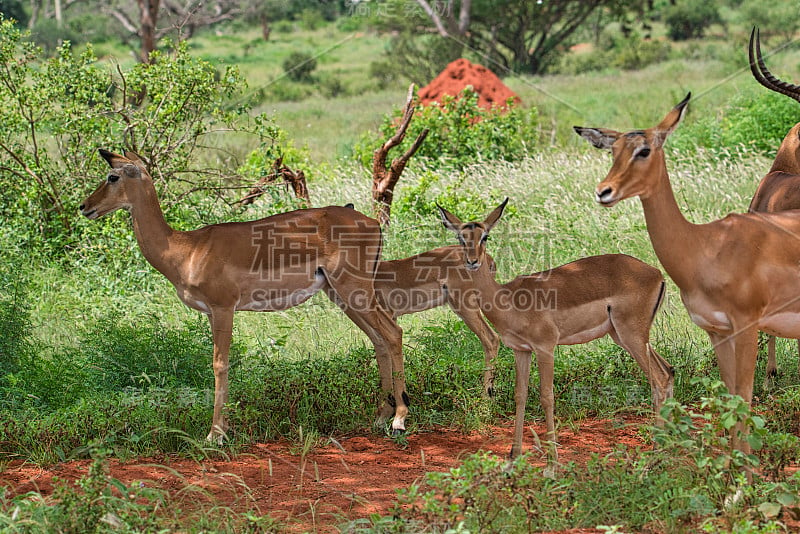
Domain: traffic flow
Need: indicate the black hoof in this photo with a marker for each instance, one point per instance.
(397, 432)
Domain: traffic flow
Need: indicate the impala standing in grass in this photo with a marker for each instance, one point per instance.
(736, 275)
(575, 303)
(265, 265)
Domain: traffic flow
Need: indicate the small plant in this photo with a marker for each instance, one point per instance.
(461, 133)
(299, 66)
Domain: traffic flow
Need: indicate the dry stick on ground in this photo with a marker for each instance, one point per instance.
(385, 179)
(280, 174)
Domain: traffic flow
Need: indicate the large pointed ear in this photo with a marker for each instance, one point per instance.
(599, 137)
(671, 120)
(493, 217)
(450, 221)
(115, 160)
(136, 160)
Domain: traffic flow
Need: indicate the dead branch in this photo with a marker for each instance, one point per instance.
(385, 179)
(280, 174)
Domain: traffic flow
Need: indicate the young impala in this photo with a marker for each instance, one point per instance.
(736, 275)
(575, 303)
(265, 265)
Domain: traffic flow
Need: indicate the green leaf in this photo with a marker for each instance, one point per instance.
(770, 509)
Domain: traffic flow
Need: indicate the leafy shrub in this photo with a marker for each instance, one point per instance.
(759, 123)
(12, 9)
(634, 53)
(159, 110)
(687, 19)
(460, 133)
(624, 52)
(298, 66)
(750, 123)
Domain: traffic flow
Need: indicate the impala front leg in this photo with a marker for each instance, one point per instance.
(222, 332)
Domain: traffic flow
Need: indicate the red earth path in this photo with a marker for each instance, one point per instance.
(348, 479)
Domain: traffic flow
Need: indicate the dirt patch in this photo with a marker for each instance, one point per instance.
(350, 478)
(462, 73)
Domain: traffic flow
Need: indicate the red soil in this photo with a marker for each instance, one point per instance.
(461, 73)
(333, 484)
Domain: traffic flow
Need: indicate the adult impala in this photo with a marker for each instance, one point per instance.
(575, 303)
(413, 285)
(779, 189)
(265, 265)
(736, 275)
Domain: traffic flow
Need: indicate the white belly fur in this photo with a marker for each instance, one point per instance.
(262, 300)
(785, 324)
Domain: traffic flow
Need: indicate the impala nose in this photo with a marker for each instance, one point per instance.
(472, 265)
(604, 196)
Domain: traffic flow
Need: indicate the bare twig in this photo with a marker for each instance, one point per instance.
(385, 179)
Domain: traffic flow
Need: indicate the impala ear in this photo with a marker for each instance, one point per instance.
(136, 160)
(671, 120)
(450, 221)
(493, 217)
(601, 138)
(114, 160)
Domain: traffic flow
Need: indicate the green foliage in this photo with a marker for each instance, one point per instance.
(58, 111)
(627, 53)
(298, 66)
(12, 9)
(460, 133)
(748, 124)
(687, 19)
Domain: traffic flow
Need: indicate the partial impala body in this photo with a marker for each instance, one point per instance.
(736, 275)
(779, 189)
(413, 285)
(575, 303)
(265, 265)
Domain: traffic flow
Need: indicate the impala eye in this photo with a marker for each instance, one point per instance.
(112, 178)
(643, 153)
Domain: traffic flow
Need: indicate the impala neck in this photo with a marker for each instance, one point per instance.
(675, 240)
(151, 229)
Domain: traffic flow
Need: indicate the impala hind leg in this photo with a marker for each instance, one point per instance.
(222, 332)
(772, 362)
(660, 374)
(361, 306)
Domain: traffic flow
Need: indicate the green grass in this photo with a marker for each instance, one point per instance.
(96, 348)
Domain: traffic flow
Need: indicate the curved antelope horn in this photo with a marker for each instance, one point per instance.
(762, 73)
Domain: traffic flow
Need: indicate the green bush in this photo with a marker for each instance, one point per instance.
(687, 19)
(77, 104)
(627, 53)
(460, 133)
(750, 123)
(298, 66)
